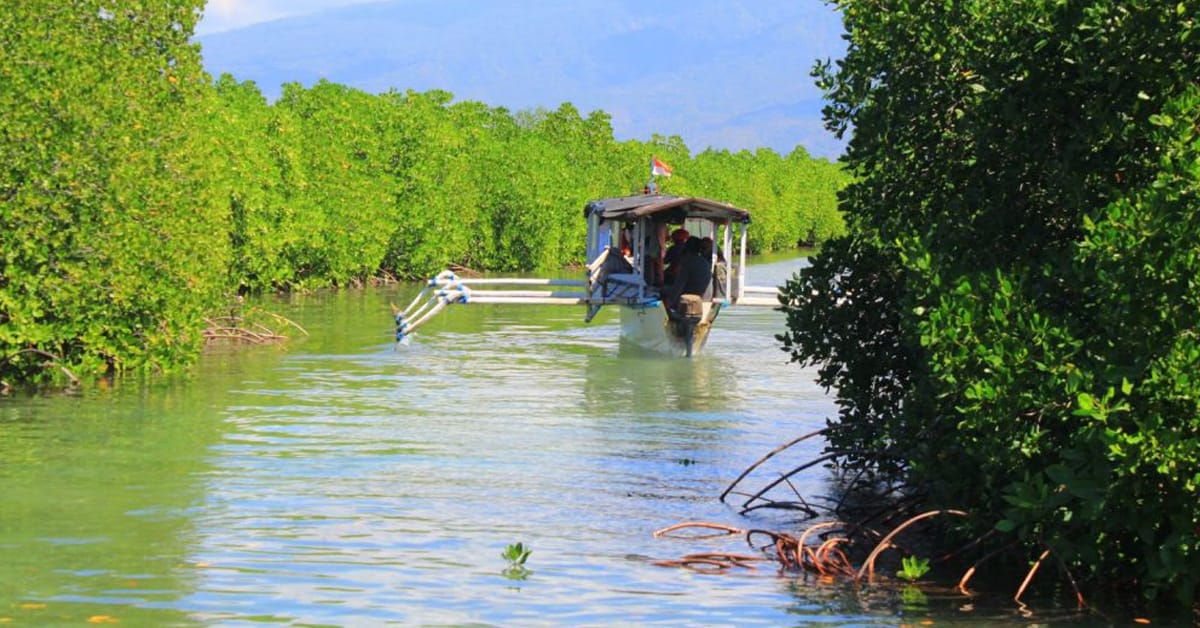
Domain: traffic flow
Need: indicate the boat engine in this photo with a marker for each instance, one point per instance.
(690, 311)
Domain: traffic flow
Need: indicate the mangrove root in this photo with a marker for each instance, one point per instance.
(239, 329)
(869, 565)
(724, 529)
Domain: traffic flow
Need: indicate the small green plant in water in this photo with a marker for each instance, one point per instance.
(516, 554)
(913, 568)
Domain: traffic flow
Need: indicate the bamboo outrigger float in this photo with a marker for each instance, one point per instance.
(620, 272)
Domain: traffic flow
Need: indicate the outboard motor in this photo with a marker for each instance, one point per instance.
(689, 310)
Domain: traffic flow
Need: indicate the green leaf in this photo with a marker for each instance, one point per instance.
(1060, 474)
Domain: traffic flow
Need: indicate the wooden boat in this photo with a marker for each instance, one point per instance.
(621, 248)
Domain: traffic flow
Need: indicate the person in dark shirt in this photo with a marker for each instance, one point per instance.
(679, 238)
(694, 274)
(720, 271)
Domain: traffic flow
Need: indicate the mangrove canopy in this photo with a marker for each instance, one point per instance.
(1012, 322)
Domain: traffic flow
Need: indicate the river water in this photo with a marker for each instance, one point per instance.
(338, 480)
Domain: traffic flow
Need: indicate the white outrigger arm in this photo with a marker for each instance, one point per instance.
(621, 246)
(447, 288)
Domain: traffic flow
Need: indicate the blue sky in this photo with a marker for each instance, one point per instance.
(221, 15)
(735, 101)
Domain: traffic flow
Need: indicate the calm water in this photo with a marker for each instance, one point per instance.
(340, 481)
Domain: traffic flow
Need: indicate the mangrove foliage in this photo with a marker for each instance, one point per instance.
(1012, 322)
(138, 196)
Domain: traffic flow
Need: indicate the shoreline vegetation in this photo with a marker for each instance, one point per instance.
(1012, 321)
(141, 197)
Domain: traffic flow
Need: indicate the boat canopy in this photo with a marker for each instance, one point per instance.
(674, 208)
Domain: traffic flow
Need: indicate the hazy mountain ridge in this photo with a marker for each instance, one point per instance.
(730, 74)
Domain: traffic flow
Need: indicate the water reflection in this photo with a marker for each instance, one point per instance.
(337, 480)
(634, 380)
(100, 493)
(922, 606)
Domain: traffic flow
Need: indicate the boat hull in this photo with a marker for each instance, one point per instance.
(649, 327)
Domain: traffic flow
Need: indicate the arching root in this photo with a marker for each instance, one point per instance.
(724, 529)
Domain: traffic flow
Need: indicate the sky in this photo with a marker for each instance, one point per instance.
(223, 15)
(774, 115)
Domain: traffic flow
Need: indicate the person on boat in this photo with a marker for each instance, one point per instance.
(616, 263)
(720, 272)
(679, 238)
(653, 253)
(694, 274)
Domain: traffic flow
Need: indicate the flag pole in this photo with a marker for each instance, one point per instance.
(650, 187)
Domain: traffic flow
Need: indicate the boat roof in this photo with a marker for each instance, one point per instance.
(674, 208)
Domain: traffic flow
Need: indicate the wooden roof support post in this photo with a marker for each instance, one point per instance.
(741, 282)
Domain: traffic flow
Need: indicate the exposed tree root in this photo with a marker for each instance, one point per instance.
(238, 328)
(860, 531)
(1074, 586)
(463, 271)
(768, 487)
(49, 361)
(962, 584)
(383, 278)
(1029, 576)
(724, 529)
(823, 558)
(869, 565)
(767, 457)
(286, 321)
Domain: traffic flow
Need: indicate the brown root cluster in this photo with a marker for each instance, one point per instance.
(818, 549)
(248, 328)
(848, 540)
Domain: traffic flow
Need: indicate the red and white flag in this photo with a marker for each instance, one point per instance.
(658, 168)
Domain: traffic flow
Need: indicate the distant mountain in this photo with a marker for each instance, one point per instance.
(722, 73)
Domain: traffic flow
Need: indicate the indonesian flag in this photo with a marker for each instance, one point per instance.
(658, 168)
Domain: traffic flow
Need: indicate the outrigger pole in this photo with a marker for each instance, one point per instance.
(447, 288)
